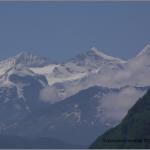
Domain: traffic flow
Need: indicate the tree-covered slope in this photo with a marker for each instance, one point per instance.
(132, 132)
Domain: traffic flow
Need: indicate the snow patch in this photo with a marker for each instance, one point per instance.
(100, 54)
(146, 50)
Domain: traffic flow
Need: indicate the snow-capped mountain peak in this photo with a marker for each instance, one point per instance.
(94, 51)
(100, 54)
(94, 59)
(30, 60)
(145, 51)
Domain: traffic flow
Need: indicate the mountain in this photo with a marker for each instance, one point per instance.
(83, 96)
(26, 59)
(133, 132)
(84, 71)
(30, 60)
(80, 118)
(19, 95)
(139, 68)
(94, 58)
(26, 115)
(145, 51)
(95, 68)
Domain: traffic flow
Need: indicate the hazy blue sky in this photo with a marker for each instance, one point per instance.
(63, 29)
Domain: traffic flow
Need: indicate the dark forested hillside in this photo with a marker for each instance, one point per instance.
(132, 132)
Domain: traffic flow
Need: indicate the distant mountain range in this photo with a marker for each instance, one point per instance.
(133, 132)
(74, 101)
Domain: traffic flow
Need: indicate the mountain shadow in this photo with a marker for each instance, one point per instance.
(16, 142)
